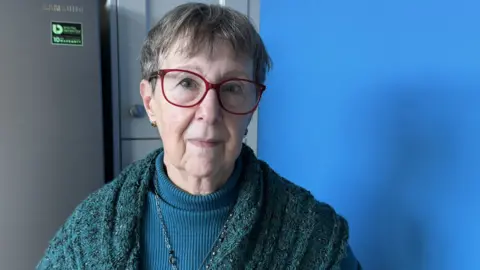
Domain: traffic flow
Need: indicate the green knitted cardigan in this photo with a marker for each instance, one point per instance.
(275, 225)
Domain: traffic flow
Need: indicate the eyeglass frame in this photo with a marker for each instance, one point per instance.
(209, 86)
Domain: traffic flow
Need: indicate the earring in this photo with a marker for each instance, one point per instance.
(154, 124)
(246, 132)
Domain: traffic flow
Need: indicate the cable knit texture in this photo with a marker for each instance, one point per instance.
(275, 225)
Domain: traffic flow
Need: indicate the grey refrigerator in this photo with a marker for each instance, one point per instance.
(53, 125)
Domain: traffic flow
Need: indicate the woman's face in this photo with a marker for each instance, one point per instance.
(204, 140)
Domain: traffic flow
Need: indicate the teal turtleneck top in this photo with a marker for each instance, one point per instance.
(193, 222)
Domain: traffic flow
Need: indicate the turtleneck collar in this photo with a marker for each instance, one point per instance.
(180, 199)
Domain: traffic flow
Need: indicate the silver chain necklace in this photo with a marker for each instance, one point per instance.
(172, 258)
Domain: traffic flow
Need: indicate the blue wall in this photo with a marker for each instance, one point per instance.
(375, 107)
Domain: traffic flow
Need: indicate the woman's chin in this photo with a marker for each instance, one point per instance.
(202, 169)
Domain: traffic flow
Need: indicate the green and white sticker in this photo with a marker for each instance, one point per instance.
(67, 33)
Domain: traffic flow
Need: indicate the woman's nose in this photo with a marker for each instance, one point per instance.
(210, 109)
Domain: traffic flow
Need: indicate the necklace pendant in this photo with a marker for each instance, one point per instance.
(172, 259)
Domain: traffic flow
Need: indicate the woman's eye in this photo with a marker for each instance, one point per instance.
(187, 83)
(234, 88)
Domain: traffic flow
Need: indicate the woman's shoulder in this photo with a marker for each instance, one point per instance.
(124, 190)
(115, 207)
(289, 199)
(100, 205)
(317, 224)
(313, 229)
(284, 195)
(299, 198)
(127, 183)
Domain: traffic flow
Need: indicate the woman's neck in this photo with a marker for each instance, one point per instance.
(198, 185)
(186, 199)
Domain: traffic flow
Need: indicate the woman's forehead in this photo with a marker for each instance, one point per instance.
(221, 56)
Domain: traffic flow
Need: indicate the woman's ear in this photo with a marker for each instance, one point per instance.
(146, 92)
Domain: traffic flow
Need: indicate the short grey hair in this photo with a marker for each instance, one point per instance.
(202, 25)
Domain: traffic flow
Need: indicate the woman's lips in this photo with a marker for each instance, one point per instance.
(205, 143)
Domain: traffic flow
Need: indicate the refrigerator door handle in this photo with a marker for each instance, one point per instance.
(137, 111)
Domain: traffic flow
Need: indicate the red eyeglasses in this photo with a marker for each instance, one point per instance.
(184, 88)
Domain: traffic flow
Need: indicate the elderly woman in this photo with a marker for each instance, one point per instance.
(204, 201)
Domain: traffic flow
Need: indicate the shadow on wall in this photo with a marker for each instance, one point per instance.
(419, 150)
